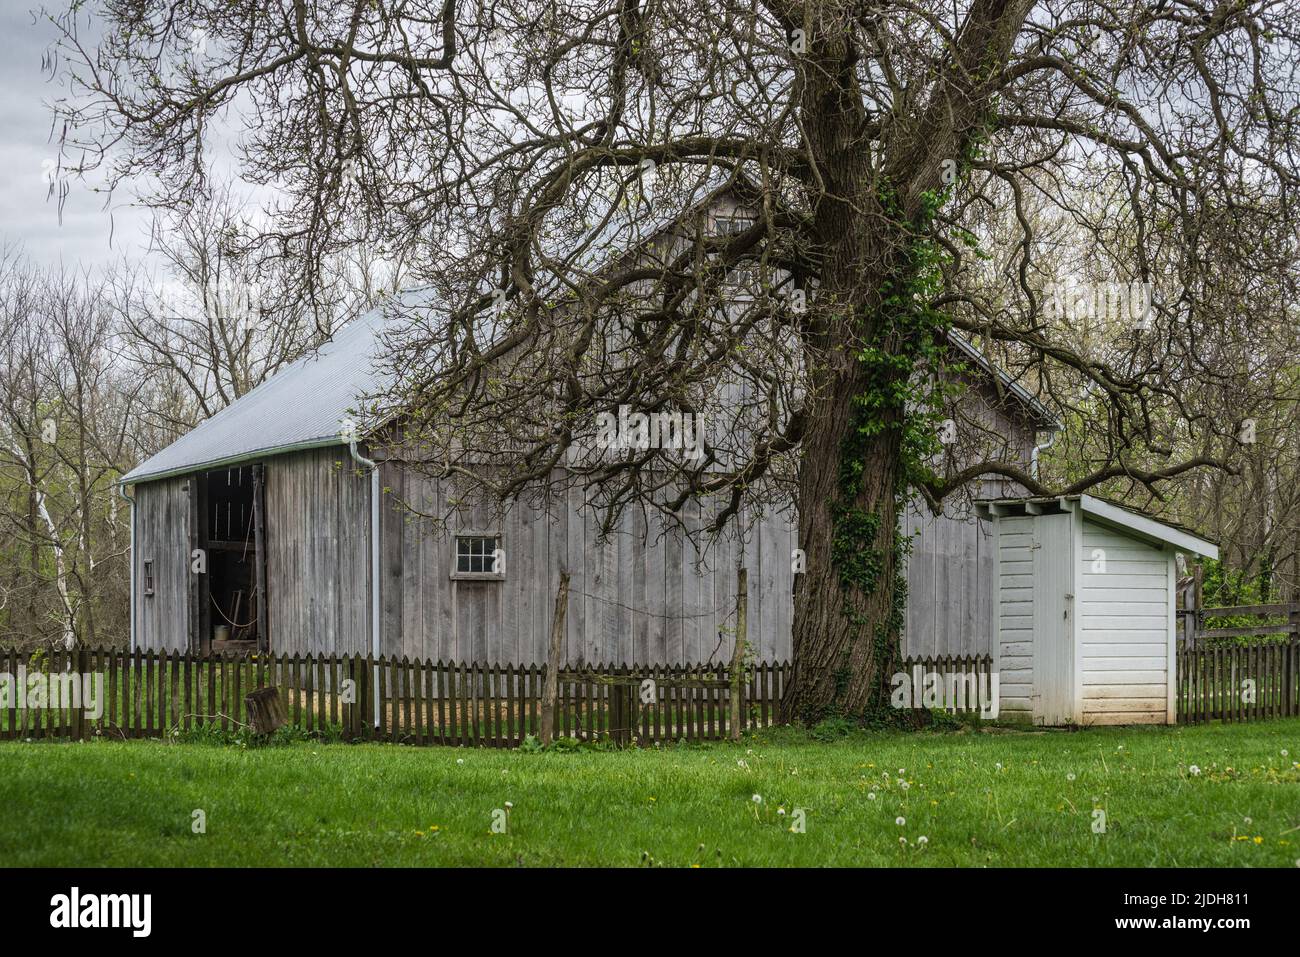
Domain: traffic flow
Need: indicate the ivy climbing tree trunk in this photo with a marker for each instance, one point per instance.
(845, 628)
(867, 436)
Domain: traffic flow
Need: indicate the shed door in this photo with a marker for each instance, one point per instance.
(1053, 693)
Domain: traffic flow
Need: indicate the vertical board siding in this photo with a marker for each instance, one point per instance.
(162, 517)
(641, 594)
(1055, 552)
(318, 553)
(951, 572)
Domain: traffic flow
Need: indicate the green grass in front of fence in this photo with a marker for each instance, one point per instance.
(1182, 796)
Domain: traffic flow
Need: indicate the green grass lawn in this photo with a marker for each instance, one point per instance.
(1198, 796)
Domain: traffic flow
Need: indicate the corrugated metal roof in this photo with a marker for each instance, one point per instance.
(301, 406)
(304, 404)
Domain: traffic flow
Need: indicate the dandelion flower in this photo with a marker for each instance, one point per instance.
(1070, 776)
(757, 799)
(871, 796)
(900, 821)
(922, 840)
(1193, 770)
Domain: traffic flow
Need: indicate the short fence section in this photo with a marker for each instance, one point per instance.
(93, 692)
(1239, 682)
(1244, 668)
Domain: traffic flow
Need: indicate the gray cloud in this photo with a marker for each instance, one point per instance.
(91, 234)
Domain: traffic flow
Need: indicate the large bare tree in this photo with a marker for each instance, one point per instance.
(911, 168)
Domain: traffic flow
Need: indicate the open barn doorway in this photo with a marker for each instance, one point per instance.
(231, 528)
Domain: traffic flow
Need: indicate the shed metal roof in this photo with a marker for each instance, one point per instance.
(1138, 524)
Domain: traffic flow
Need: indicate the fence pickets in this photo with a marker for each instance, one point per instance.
(1239, 682)
(144, 694)
(149, 694)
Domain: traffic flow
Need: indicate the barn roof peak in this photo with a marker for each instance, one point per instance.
(305, 404)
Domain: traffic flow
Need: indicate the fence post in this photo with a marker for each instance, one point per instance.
(78, 715)
(738, 653)
(552, 688)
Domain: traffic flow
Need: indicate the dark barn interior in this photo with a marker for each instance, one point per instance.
(231, 535)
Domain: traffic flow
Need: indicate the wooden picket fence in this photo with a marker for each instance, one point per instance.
(149, 694)
(1239, 682)
(1247, 671)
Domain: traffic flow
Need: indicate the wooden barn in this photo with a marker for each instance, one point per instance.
(265, 528)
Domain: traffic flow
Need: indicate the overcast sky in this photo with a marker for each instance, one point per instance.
(90, 234)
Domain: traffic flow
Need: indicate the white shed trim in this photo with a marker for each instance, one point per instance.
(1135, 523)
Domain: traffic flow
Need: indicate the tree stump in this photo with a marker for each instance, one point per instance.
(265, 710)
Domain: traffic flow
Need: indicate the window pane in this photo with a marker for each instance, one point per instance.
(475, 554)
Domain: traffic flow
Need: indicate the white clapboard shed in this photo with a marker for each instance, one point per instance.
(1085, 610)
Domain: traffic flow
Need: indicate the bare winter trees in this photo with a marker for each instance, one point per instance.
(902, 170)
(64, 415)
(98, 371)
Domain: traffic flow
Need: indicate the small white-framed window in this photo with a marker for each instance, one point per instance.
(147, 576)
(478, 556)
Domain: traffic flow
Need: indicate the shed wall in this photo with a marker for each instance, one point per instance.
(1125, 611)
(1015, 596)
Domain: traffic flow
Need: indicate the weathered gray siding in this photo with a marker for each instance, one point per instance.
(162, 523)
(633, 598)
(639, 597)
(952, 571)
(951, 575)
(318, 553)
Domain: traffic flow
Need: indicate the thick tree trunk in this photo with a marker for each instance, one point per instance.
(845, 639)
(863, 336)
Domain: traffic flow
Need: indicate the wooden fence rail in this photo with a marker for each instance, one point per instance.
(1276, 619)
(93, 692)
